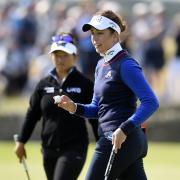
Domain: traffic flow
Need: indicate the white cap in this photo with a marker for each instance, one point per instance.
(63, 46)
(101, 23)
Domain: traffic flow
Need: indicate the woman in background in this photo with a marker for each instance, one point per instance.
(64, 136)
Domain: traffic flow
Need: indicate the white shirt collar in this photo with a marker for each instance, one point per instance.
(109, 54)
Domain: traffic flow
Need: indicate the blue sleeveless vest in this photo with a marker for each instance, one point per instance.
(116, 100)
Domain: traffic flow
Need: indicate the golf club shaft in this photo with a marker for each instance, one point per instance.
(23, 159)
(110, 163)
(25, 168)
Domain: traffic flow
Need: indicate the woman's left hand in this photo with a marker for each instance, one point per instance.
(118, 138)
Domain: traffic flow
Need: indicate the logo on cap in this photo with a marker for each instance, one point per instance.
(60, 43)
(110, 52)
(99, 18)
(112, 25)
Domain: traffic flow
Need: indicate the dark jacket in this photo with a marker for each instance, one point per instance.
(59, 127)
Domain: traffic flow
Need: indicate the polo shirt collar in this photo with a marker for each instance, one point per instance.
(109, 54)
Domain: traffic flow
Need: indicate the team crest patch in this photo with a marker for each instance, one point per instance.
(108, 75)
(49, 89)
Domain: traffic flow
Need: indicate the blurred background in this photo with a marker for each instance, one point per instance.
(26, 27)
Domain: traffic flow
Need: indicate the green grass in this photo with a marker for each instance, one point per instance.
(162, 162)
(13, 105)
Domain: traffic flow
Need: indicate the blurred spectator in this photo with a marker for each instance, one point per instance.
(23, 38)
(88, 55)
(44, 21)
(38, 68)
(173, 71)
(140, 30)
(69, 23)
(25, 27)
(5, 40)
(154, 55)
(109, 5)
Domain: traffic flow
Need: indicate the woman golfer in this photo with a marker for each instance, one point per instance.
(119, 82)
(64, 136)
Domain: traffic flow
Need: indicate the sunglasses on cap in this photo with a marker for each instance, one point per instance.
(63, 42)
(65, 37)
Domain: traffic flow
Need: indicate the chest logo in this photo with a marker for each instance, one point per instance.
(49, 89)
(74, 90)
(108, 75)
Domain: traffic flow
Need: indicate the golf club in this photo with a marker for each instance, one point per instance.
(110, 163)
(23, 159)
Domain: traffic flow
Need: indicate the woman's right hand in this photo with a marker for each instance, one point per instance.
(67, 104)
(20, 151)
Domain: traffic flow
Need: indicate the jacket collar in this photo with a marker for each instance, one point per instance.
(109, 54)
(53, 73)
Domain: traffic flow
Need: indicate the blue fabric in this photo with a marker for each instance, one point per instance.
(91, 110)
(116, 102)
(132, 76)
(128, 163)
(114, 99)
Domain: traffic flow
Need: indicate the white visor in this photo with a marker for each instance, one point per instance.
(101, 23)
(63, 46)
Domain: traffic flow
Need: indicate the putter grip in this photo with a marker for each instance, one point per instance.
(24, 164)
(23, 159)
(15, 137)
(110, 162)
